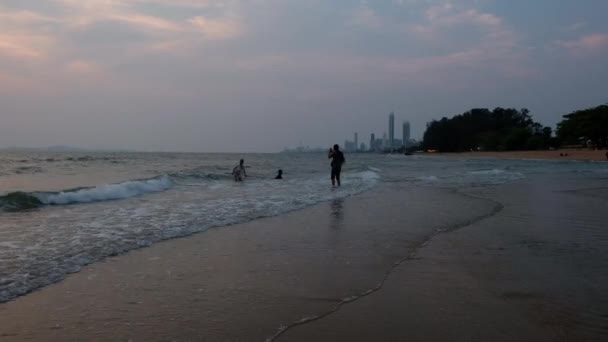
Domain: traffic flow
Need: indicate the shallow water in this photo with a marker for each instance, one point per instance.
(83, 207)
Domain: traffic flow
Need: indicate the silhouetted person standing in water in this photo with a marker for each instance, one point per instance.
(336, 163)
(239, 171)
(279, 175)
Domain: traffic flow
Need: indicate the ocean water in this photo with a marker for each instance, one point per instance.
(61, 211)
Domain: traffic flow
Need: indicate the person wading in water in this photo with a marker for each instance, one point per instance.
(239, 171)
(336, 164)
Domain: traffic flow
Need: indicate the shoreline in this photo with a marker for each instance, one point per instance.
(240, 282)
(573, 155)
(495, 279)
(393, 263)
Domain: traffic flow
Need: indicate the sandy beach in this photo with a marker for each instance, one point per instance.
(391, 264)
(566, 154)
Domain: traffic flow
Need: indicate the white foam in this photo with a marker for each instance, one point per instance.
(369, 175)
(487, 172)
(108, 192)
(428, 178)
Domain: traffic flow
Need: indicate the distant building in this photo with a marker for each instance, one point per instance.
(372, 142)
(384, 141)
(362, 147)
(406, 133)
(391, 130)
(349, 146)
(356, 141)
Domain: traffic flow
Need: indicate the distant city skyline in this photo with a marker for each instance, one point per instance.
(255, 76)
(387, 143)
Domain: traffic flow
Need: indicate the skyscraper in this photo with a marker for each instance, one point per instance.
(372, 142)
(391, 130)
(356, 141)
(406, 133)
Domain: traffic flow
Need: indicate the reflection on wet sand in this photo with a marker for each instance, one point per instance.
(337, 215)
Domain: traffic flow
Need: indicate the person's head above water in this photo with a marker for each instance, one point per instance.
(336, 147)
(280, 172)
(242, 162)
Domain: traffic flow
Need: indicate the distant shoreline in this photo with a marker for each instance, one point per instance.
(566, 154)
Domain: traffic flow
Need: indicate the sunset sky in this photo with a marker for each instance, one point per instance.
(258, 75)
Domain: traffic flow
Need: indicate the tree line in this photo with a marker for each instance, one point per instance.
(509, 129)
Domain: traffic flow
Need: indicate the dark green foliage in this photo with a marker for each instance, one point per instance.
(587, 124)
(483, 129)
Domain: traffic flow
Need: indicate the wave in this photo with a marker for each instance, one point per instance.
(469, 178)
(488, 172)
(16, 201)
(193, 175)
(107, 192)
(428, 178)
(28, 170)
(75, 238)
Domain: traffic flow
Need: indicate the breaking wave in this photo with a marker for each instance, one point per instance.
(107, 192)
(16, 201)
(73, 238)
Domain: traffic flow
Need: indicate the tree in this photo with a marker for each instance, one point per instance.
(481, 128)
(582, 125)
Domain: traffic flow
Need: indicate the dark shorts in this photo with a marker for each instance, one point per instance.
(335, 171)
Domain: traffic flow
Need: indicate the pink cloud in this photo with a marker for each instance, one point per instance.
(216, 29)
(23, 17)
(26, 45)
(586, 45)
(146, 21)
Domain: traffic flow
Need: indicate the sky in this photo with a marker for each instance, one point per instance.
(260, 75)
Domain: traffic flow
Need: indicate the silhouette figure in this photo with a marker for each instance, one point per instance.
(336, 164)
(239, 171)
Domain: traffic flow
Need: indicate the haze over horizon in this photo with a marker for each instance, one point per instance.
(228, 76)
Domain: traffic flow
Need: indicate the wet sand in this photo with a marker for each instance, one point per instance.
(533, 272)
(572, 154)
(399, 264)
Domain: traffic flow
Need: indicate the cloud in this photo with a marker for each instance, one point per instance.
(188, 3)
(57, 27)
(574, 27)
(19, 17)
(585, 45)
(366, 17)
(216, 29)
(443, 17)
(25, 34)
(147, 22)
(83, 67)
(451, 37)
(24, 45)
(89, 12)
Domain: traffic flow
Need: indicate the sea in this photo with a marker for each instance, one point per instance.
(61, 211)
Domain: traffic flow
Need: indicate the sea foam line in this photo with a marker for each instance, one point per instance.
(107, 192)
